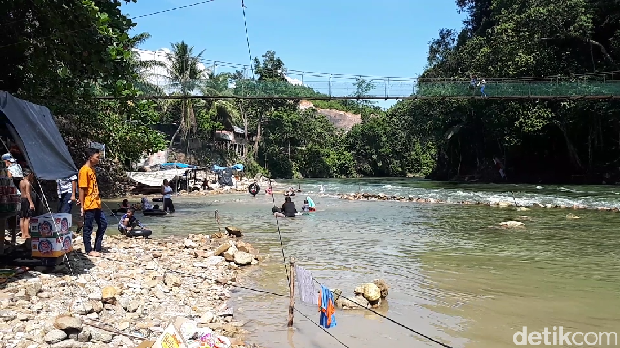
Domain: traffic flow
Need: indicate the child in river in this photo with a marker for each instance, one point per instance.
(306, 207)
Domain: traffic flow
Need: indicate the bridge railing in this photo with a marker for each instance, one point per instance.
(339, 87)
(549, 87)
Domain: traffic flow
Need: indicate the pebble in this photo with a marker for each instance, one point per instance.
(126, 290)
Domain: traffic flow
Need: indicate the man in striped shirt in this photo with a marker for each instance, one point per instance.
(66, 189)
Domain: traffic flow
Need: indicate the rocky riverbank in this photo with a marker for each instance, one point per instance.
(414, 199)
(130, 294)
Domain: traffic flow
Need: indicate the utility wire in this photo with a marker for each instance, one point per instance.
(247, 37)
(172, 9)
(140, 16)
(524, 79)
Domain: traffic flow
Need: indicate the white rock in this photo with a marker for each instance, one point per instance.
(54, 336)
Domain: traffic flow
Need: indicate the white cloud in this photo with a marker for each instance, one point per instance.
(292, 81)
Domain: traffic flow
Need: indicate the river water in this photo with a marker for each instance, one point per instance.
(453, 274)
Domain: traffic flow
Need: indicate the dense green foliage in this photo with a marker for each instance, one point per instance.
(62, 56)
(537, 140)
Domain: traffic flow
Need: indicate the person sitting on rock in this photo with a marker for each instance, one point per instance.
(128, 222)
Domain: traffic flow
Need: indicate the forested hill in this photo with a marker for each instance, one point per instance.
(538, 140)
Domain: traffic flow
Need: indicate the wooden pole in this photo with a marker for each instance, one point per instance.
(3, 235)
(291, 307)
(14, 230)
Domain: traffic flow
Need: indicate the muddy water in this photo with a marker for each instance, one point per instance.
(453, 275)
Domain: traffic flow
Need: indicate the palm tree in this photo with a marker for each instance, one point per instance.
(184, 73)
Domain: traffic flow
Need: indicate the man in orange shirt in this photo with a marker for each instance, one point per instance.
(91, 204)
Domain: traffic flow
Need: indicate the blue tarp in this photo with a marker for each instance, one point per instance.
(178, 165)
(238, 167)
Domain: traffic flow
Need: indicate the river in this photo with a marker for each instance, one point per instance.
(453, 275)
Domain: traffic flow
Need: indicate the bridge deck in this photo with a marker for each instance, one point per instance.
(515, 88)
(394, 88)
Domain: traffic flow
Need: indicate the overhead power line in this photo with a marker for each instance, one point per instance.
(140, 16)
(288, 72)
(172, 9)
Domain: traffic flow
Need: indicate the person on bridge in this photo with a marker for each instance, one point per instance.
(482, 86)
(473, 84)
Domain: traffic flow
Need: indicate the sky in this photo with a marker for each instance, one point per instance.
(386, 38)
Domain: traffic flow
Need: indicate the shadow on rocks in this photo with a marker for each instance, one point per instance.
(20, 265)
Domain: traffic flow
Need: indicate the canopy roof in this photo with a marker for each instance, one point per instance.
(35, 131)
(178, 165)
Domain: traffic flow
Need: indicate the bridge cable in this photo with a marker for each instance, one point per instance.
(247, 36)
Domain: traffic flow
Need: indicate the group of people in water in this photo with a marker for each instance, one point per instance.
(288, 209)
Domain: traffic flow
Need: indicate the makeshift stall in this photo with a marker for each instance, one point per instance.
(226, 174)
(33, 129)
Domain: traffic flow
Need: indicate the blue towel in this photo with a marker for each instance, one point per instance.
(326, 297)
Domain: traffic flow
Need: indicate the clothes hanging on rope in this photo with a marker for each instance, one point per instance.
(326, 307)
(305, 283)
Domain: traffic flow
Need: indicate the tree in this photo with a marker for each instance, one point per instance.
(185, 74)
(541, 140)
(61, 55)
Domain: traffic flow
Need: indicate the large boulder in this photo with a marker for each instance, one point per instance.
(242, 258)
(108, 294)
(383, 287)
(68, 323)
(370, 292)
(222, 249)
(229, 255)
(247, 248)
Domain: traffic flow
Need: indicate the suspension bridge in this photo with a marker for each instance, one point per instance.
(297, 85)
(300, 85)
(387, 88)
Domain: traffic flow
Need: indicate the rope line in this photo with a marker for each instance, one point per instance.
(247, 36)
(392, 320)
(289, 280)
(292, 280)
(320, 327)
(273, 199)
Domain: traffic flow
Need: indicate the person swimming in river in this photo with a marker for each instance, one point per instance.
(288, 209)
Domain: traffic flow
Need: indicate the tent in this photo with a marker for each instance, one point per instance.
(34, 129)
(238, 167)
(39, 143)
(178, 165)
